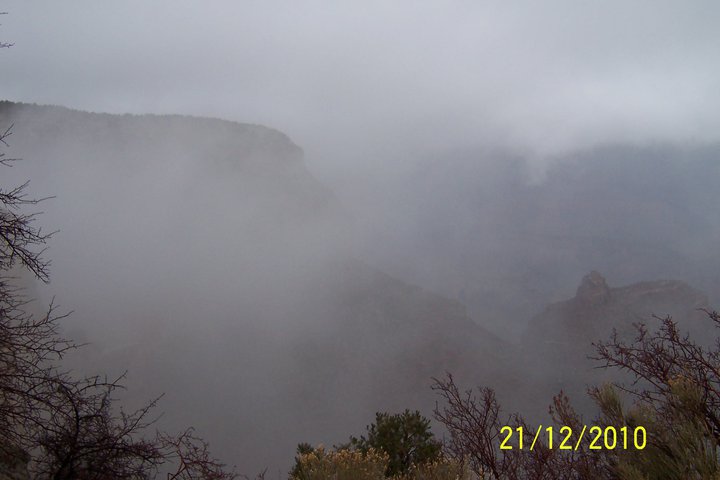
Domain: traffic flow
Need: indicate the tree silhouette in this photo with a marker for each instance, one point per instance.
(52, 424)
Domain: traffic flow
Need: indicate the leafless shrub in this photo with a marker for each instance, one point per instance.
(65, 427)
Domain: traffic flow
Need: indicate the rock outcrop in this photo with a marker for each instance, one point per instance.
(559, 341)
(593, 290)
(596, 309)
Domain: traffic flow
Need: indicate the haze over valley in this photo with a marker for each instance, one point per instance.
(293, 227)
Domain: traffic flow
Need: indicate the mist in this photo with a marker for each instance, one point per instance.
(379, 83)
(288, 217)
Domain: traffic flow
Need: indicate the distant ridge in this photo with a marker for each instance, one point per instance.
(596, 309)
(251, 137)
(558, 343)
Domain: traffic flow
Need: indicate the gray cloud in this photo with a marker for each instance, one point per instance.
(380, 80)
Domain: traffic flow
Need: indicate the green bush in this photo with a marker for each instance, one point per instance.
(406, 439)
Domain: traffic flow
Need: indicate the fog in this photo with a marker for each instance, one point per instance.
(351, 83)
(394, 191)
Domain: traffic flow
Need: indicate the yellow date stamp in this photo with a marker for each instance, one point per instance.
(564, 438)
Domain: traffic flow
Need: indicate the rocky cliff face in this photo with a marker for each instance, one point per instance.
(559, 340)
(593, 290)
(203, 257)
(596, 309)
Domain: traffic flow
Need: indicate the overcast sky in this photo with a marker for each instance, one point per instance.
(383, 80)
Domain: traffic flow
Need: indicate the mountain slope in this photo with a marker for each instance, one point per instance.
(202, 256)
